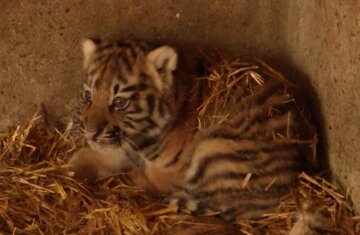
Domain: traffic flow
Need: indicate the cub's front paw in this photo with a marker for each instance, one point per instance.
(86, 164)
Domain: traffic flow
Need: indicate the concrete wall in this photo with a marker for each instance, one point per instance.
(315, 41)
(323, 40)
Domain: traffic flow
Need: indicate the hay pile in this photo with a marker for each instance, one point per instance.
(37, 195)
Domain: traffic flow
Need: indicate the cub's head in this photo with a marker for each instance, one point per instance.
(125, 95)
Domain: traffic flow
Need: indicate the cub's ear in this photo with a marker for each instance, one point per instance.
(89, 47)
(163, 59)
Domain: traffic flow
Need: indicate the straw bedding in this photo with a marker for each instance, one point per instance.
(39, 196)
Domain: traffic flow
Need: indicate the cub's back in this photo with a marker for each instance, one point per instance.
(248, 152)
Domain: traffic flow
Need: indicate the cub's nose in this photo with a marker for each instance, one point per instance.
(95, 131)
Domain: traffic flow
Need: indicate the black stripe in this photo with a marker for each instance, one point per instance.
(240, 193)
(97, 83)
(122, 44)
(140, 119)
(221, 134)
(267, 147)
(231, 213)
(226, 176)
(129, 124)
(122, 78)
(235, 133)
(175, 158)
(104, 47)
(140, 46)
(241, 119)
(151, 103)
(116, 88)
(161, 108)
(137, 109)
(148, 142)
(102, 60)
(206, 162)
(101, 69)
(294, 167)
(264, 93)
(124, 61)
(158, 149)
(114, 62)
(130, 62)
(143, 86)
(259, 117)
(238, 156)
(255, 114)
(132, 51)
(274, 157)
(151, 124)
(134, 96)
(277, 171)
(92, 72)
(130, 88)
(153, 157)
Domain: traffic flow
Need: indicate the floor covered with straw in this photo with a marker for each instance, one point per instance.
(38, 196)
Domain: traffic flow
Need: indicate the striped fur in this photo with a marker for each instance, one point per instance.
(155, 120)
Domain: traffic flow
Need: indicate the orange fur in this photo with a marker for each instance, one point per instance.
(155, 120)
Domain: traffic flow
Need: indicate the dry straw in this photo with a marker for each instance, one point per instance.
(37, 195)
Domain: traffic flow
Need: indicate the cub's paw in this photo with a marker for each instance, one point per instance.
(185, 202)
(86, 165)
(140, 179)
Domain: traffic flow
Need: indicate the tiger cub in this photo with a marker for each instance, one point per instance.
(138, 113)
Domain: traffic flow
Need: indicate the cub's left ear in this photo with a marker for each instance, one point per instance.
(89, 47)
(164, 60)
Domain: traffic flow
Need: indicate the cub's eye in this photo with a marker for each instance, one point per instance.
(120, 103)
(87, 96)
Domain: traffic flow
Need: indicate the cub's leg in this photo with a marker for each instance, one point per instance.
(156, 180)
(88, 164)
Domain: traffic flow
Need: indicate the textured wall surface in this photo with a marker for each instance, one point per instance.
(318, 41)
(323, 40)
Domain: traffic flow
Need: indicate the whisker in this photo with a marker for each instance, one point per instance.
(77, 131)
(132, 144)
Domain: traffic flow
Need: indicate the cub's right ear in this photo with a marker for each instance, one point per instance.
(89, 47)
(163, 58)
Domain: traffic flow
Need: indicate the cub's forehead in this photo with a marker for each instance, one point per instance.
(120, 52)
(115, 61)
(102, 82)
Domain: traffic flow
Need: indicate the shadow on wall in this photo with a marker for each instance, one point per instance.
(311, 102)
